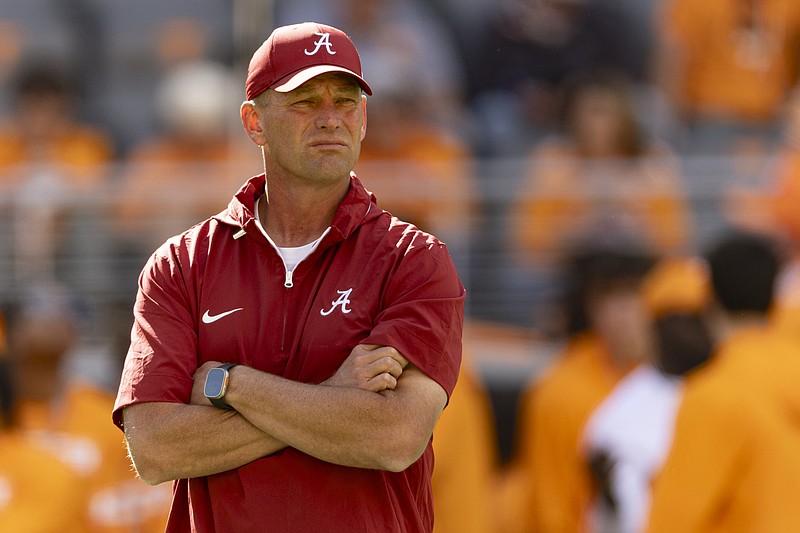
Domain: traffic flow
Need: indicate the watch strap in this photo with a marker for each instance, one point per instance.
(220, 404)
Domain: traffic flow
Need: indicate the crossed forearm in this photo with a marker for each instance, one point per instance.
(363, 416)
(169, 441)
(336, 424)
(346, 426)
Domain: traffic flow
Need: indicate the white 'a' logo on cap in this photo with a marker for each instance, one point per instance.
(324, 40)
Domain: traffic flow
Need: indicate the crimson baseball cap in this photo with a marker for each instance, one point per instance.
(294, 54)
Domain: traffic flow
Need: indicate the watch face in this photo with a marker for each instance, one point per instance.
(215, 383)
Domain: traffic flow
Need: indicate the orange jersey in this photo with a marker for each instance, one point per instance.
(764, 361)
(733, 467)
(38, 493)
(183, 181)
(563, 197)
(79, 153)
(82, 436)
(466, 460)
(738, 57)
(554, 413)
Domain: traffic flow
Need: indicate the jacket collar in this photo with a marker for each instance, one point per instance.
(358, 206)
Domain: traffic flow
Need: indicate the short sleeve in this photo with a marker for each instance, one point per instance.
(162, 357)
(422, 313)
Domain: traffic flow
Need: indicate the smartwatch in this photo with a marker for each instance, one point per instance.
(217, 384)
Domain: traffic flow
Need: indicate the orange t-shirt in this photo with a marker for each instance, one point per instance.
(734, 466)
(38, 492)
(564, 197)
(766, 362)
(554, 412)
(80, 154)
(464, 445)
(729, 71)
(82, 436)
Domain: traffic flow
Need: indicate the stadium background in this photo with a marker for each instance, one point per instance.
(56, 234)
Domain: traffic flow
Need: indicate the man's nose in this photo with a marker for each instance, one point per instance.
(328, 116)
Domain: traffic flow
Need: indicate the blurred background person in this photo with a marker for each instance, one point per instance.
(733, 464)
(609, 334)
(628, 436)
(467, 465)
(38, 493)
(528, 49)
(755, 352)
(68, 415)
(180, 171)
(48, 155)
(626, 439)
(419, 169)
(140, 44)
(602, 177)
(44, 131)
(727, 66)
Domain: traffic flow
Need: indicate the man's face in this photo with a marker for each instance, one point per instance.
(314, 133)
(619, 316)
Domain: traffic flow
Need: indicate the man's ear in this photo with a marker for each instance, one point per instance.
(251, 121)
(364, 121)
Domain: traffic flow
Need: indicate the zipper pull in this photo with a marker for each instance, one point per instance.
(288, 283)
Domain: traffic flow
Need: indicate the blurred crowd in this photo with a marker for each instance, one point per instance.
(618, 182)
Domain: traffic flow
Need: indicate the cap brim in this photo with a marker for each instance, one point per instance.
(299, 78)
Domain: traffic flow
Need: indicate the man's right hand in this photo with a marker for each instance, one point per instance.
(369, 367)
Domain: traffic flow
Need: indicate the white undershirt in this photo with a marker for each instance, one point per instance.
(291, 255)
(635, 425)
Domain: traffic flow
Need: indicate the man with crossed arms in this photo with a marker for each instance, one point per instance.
(291, 355)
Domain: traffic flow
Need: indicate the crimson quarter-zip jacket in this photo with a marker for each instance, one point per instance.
(220, 291)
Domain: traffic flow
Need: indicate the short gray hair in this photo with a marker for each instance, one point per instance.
(263, 98)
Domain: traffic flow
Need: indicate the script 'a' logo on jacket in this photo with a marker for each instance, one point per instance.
(342, 302)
